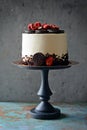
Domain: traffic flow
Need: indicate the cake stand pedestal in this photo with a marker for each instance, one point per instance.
(44, 110)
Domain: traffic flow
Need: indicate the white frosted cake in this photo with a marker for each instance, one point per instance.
(44, 45)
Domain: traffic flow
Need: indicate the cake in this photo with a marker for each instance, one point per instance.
(44, 45)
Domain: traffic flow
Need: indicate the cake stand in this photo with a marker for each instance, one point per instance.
(44, 110)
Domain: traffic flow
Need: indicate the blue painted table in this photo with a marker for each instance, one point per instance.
(15, 116)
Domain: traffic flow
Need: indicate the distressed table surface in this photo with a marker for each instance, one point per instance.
(15, 116)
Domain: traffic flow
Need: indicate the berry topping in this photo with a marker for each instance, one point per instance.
(54, 26)
(49, 61)
(31, 26)
(37, 25)
(46, 26)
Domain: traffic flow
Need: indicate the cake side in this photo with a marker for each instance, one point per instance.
(44, 45)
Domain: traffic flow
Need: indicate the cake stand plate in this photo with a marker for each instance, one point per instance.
(44, 110)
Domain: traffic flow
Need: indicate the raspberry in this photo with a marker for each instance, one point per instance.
(49, 61)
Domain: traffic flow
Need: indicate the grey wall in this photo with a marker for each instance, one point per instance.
(18, 84)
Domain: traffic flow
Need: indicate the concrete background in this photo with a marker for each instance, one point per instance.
(18, 84)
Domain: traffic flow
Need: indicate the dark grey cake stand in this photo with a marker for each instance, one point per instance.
(44, 110)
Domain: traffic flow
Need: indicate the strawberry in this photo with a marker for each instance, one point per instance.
(46, 26)
(29, 26)
(54, 26)
(49, 61)
(34, 27)
(37, 25)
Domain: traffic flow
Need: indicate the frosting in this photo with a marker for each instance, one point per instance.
(44, 43)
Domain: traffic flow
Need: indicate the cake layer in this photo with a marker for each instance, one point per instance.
(44, 43)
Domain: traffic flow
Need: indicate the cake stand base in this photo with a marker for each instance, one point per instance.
(42, 115)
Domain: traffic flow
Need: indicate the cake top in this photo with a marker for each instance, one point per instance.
(38, 27)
